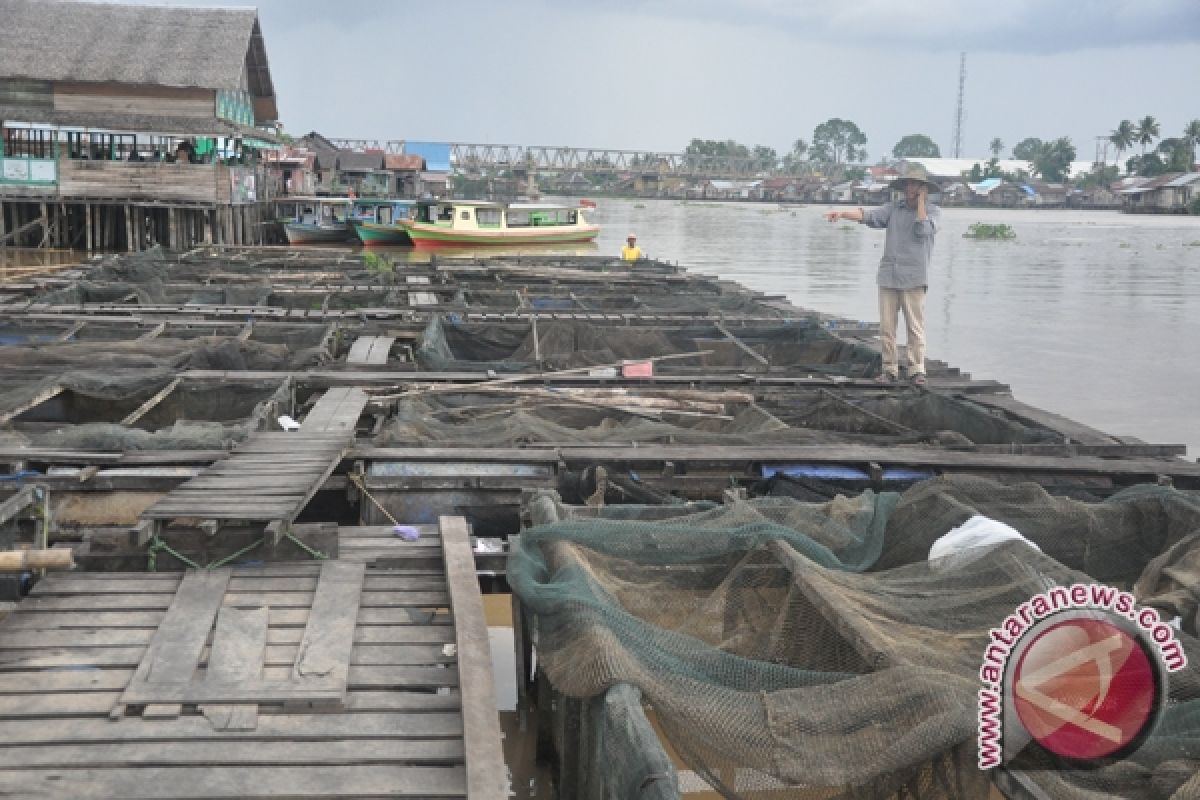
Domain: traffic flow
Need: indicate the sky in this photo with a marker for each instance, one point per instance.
(654, 74)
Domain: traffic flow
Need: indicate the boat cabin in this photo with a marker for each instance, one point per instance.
(381, 212)
(314, 210)
(484, 215)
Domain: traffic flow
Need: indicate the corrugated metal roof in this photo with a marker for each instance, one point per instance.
(955, 167)
(355, 161)
(1185, 179)
(407, 161)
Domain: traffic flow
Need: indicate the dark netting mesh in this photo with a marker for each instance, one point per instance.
(515, 415)
(206, 352)
(907, 414)
(87, 411)
(114, 292)
(535, 415)
(809, 650)
(448, 345)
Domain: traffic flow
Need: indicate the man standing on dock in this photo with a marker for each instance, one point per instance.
(911, 223)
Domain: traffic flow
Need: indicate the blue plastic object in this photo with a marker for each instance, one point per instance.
(837, 473)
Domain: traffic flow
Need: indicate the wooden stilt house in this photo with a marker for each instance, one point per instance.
(127, 125)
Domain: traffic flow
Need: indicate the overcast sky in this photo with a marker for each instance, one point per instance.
(653, 74)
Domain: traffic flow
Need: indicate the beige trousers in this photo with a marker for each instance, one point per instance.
(912, 303)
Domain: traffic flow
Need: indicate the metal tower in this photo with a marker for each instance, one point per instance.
(958, 116)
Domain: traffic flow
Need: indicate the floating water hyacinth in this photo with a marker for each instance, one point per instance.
(406, 532)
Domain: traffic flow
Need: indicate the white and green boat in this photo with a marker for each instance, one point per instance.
(451, 223)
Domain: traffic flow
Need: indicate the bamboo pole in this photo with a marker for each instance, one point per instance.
(533, 376)
(22, 560)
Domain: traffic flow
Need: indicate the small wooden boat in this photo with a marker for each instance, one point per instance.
(315, 220)
(375, 221)
(452, 223)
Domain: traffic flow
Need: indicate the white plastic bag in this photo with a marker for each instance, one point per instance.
(972, 540)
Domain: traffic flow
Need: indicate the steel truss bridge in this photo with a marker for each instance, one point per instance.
(492, 158)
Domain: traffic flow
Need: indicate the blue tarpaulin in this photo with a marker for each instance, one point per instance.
(436, 154)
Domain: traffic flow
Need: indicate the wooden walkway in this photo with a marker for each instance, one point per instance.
(308, 680)
(268, 478)
(271, 476)
(370, 350)
(337, 411)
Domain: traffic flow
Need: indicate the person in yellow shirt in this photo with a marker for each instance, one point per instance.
(631, 252)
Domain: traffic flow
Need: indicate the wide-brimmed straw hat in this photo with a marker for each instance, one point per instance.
(631, 236)
(912, 172)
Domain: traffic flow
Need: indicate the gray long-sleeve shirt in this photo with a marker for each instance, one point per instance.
(908, 246)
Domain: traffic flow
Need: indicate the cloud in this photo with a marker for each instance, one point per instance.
(1003, 26)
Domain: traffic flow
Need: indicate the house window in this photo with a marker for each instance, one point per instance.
(518, 218)
(488, 217)
(465, 216)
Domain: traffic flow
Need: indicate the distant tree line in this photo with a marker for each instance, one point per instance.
(838, 145)
(1173, 154)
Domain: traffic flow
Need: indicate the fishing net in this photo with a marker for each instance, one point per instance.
(205, 352)
(809, 650)
(542, 416)
(88, 409)
(451, 345)
(906, 414)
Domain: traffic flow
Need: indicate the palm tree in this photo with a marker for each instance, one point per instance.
(996, 147)
(1191, 137)
(1123, 137)
(1147, 132)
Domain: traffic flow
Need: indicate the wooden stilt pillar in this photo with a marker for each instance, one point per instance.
(128, 229)
(173, 240)
(3, 226)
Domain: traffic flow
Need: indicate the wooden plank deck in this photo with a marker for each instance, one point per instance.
(417, 716)
(370, 350)
(270, 477)
(337, 411)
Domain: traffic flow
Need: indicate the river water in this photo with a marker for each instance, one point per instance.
(1091, 314)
